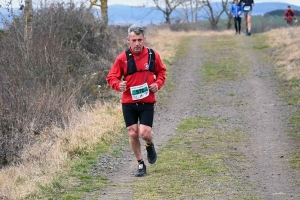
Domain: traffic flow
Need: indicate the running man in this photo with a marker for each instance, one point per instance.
(138, 73)
(236, 11)
(289, 15)
(247, 9)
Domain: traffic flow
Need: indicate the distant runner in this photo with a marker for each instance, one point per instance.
(247, 9)
(236, 11)
(289, 15)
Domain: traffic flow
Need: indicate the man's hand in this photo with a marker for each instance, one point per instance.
(153, 87)
(123, 86)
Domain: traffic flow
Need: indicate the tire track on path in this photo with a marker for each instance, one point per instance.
(265, 118)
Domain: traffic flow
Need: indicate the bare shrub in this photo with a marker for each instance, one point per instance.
(63, 67)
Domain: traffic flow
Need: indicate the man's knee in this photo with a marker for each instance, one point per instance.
(133, 131)
(146, 133)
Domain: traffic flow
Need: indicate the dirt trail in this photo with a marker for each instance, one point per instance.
(262, 115)
(265, 116)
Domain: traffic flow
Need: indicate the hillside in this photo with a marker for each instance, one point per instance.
(122, 14)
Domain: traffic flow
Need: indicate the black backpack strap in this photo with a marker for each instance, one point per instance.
(151, 60)
(131, 67)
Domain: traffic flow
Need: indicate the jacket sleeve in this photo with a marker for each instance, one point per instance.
(115, 74)
(294, 14)
(284, 14)
(160, 71)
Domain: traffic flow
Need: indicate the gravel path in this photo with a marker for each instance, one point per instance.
(260, 113)
(265, 116)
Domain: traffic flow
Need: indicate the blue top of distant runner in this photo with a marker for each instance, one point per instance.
(235, 9)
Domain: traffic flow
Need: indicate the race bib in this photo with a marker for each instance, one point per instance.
(139, 92)
(247, 8)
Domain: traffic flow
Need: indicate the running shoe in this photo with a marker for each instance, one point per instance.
(249, 33)
(151, 153)
(141, 169)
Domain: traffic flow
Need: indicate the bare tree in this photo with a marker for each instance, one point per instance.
(28, 13)
(190, 10)
(213, 14)
(167, 7)
(28, 20)
(226, 8)
(198, 7)
(104, 9)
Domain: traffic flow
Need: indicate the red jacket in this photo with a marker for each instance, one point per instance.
(289, 14)
(119, 70)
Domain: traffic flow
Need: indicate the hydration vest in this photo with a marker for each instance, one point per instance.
(289, 13)
(131, 67)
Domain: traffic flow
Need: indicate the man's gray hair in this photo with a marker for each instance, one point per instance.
(136, 29)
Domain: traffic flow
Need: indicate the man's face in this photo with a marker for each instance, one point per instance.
(136, 42)
(236, 2)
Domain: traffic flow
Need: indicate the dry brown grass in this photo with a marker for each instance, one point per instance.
(165, 41)
(50, 155)
(287, 44)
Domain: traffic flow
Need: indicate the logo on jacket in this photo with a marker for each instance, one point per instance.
(146, 66)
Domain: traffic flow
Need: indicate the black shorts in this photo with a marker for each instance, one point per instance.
(142, 112)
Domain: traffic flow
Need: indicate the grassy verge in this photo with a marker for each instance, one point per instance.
(80, 179)
(74, 184)
(291, 92)
(61, 167)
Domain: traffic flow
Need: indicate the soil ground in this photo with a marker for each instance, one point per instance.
(260, 113)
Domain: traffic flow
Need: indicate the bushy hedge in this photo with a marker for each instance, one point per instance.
(63, 67)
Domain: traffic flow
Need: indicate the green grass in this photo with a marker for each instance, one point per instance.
(261, 42)
(291, 92)
(194, 123)
(223, 62)
(200, 162)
